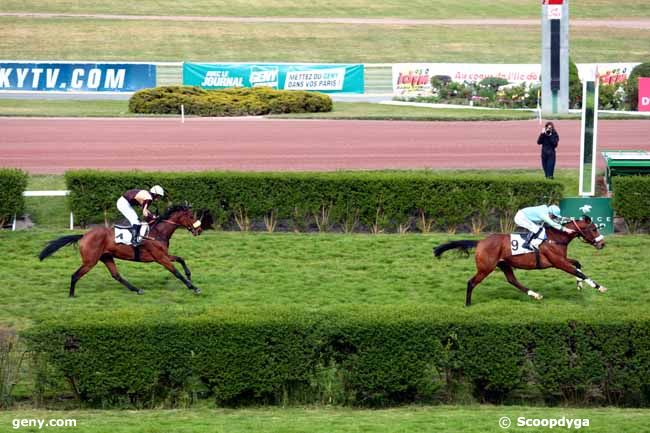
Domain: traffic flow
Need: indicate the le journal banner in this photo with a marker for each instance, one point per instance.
(76, 77)
(326, 78)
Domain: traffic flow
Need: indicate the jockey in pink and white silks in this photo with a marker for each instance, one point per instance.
(140, 198)
(533, 218)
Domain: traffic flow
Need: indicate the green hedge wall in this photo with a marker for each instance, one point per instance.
(12, 184)
(370, 201)
(370, 356)
(631, 200)
(228, 102)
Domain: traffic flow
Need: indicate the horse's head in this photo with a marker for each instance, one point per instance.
(182, 215)
(588, 231)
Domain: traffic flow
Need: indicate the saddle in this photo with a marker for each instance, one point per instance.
(123, 233)
(517, 239)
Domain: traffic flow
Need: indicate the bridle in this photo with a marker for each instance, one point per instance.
(193, 227)
(594, 241)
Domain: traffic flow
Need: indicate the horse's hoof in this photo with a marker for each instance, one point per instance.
(197, 291)
(602, 289)
(580, 286)
(140, 292)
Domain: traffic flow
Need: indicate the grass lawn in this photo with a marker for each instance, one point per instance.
(414, 419)
(87, 39)
(316, 271)
(333, 8)
(342, 110)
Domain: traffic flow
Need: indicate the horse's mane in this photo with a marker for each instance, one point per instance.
(173, 209)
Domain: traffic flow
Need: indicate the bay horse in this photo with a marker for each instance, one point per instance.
(99, 244)
(494, 251)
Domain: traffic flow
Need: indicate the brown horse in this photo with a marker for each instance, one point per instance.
(99, 244)
(494, 251)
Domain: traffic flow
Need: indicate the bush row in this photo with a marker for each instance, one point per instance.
(228, 102)
(12, 184)
(370, 356)
(346, 201)
(631, 200)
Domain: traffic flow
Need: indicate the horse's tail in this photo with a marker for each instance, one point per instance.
(56, 244)
(464, 246)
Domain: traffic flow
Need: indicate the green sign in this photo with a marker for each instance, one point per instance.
(327, 78)
(598, 208)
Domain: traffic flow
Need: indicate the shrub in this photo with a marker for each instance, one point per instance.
(631, 200)
(374, 356)
(12, 184)
(380, 199)
(575, 86)
(228, 102)
(632, 90)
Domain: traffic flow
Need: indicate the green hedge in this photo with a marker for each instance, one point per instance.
(370, 201)
(631, 200)
(370, 356)
(228, 102)
(632, 86)
(12, 184)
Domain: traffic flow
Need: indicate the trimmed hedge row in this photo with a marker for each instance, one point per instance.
(371, 201)
(370, 356)
(631, 200)
(238, 101)
(12, 184)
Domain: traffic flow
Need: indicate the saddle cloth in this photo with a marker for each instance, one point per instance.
(518, 239)
(123, 233)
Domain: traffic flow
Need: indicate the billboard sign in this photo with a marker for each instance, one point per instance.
(76, 77)
(327, 78)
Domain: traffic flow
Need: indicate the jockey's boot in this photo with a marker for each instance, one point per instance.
(529, 239)
(135, 235)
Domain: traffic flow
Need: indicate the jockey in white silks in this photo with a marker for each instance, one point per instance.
(140, 198)
(533, 218)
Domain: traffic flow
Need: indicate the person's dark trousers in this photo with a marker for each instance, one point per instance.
(548, 164)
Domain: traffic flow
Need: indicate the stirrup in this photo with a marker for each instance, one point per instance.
(135, 235)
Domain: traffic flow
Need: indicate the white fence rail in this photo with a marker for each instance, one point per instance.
(52, 193)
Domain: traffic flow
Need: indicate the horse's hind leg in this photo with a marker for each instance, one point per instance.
(112, 268)
(484, 267)
(83, 270)
(510, 276)
(180, 260)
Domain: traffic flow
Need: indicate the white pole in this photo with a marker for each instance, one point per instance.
(13, 224)
(182, 113)
(595, 139)
(71, 221)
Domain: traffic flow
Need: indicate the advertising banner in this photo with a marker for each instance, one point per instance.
(410, 79)
(415, 78)
(76, 77)
(644, 94)
(332, 78)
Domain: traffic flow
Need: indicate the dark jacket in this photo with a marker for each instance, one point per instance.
(548, 142)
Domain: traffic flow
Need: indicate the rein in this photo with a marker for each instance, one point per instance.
(583, 237)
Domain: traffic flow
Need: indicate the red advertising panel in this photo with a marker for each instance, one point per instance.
(552, 2)
(644, 94)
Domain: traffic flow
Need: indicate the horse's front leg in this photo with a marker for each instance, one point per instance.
(578, 266)
(573, 267)
(160, 255)
(180, 260)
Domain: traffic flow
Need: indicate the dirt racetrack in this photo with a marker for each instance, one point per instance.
(56, 145)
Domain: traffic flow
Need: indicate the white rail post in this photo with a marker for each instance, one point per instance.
(13, 224)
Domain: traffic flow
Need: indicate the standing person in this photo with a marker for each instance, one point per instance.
(139, 198)
(533, 218)
(549, 140)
